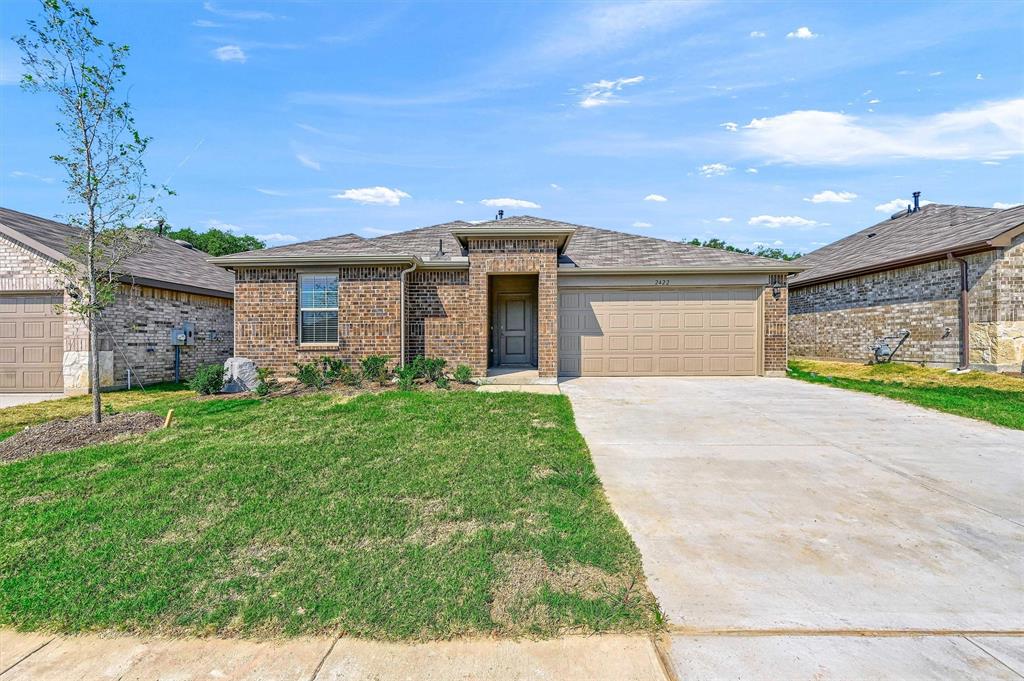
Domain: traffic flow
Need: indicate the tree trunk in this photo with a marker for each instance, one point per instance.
(94, 332)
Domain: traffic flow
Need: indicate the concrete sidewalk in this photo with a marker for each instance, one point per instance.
(94, 658)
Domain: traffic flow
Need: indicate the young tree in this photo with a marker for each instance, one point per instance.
(105, 177)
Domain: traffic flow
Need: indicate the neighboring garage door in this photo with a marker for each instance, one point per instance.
(31, 344)
(708, 331)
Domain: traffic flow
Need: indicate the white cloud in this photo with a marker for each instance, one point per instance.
(230, 53)
(376, 231)
(31, 176)
(1003, 206)
(731, 127)
(556, 187)
(991, 163)
(658, 198)
(509, 203)
(277, 238)
(897, 205)
(724, 220)
(777, 221)
(459, 201)
(271, 192)
(933, 74)
(979, 77)
(373, 195)
(713, 169)
(874, 101)
(829, 196)
(206, 23)
(757, 34)
(241, 14)
(802, 33)
(642, 225)
(307, 161)
(752, 171)
(991, 130)
(605, 91)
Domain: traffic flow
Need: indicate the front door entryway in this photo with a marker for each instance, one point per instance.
(515, 328)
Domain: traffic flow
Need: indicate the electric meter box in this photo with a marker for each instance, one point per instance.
(184, 334)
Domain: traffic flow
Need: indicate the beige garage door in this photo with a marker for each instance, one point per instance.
(665, 332)
(31, 344)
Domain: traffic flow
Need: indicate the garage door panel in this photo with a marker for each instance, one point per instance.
(666, 332)
(31, 343)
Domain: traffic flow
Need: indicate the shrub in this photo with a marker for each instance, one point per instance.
(375, 367)
(208, 379)
(463, 374)
(442, 382)
(349, 377)
(406, 377)
(333, 367)
(310, 375)
(433, 368)
(265, 381)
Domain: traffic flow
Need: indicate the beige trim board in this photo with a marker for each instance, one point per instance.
(661, 281)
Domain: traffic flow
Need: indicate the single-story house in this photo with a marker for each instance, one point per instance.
(514, 293)
(164, 287)
(953, 276)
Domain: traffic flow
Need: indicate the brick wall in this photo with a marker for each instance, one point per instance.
(776, 334)
(137, 330)
(439, 322)
(841, 319)
(266, 316)
(515, 256)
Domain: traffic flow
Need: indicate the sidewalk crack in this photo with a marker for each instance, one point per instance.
(29, 654)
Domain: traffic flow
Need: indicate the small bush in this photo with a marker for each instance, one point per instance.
(431, 368)
(310, 375)
(208, 379)
(349, 377)
(375, 367)
(406, 377)
(463, 374)
(265, 381)
(333, 367)
(442, 382)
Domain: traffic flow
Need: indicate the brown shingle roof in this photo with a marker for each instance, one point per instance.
(340, 246)
(931, 232)
(164, 264)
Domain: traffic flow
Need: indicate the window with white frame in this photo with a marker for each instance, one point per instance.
(318, 308)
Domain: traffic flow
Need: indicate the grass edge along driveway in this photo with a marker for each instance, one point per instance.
(392, 516)
(995, 398)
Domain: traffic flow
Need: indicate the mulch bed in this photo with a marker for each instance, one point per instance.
(61, 435)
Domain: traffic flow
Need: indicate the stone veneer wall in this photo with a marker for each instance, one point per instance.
(776, 333)
(997, 327)
(439, 322)
(266, 316)
(515, 256)
(841, 319)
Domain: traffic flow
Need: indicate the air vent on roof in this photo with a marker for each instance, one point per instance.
(182, 242)
(872, 234)
(500, 215)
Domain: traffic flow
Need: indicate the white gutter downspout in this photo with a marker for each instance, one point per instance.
(401, 315)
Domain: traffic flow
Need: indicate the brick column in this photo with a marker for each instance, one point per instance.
(775, 326)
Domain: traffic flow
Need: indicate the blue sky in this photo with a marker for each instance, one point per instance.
(783, 124)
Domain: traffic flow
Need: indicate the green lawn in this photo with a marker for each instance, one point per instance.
(979, 395)
(396, 516)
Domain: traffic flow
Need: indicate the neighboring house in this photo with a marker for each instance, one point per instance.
(516, 293)
(953, 276)
(168, 284)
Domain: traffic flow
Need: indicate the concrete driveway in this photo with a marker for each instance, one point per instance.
(15, 399)
(793, 530)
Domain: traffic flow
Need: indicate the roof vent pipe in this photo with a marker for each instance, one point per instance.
(917, 201)
(440, 247)
(501, 215)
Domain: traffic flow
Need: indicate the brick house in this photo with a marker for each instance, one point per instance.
(166, 285)
(521, 293)
(953, 276)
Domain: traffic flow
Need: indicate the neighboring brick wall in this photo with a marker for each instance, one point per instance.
(266, 316)
(997, 328)
(22, 269)
(776, 333)
(515, 256)
(841, 319)
(137, 329)
(439, 322)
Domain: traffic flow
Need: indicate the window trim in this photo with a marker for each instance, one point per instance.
(314, 272)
